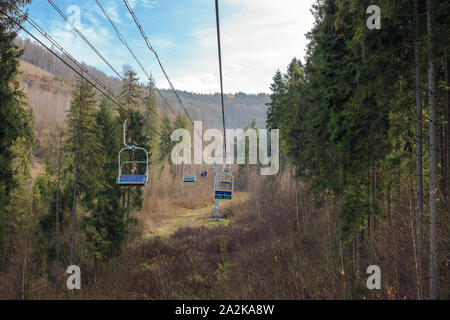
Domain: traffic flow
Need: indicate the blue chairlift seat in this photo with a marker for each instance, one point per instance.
(189, 179)
(221, 194)
(132, 180)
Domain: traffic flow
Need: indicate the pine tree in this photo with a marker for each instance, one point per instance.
(16, 131)
(150, 117)
(346, 117)
(433, 151)
(84, 150)
(105, 226)
(165, 143)
(181, 122)
(131, 95)
(419, 149)
(278, 89)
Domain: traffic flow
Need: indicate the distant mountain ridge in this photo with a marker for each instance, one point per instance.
(240, 108)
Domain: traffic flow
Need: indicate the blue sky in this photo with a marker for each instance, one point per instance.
(259, 37)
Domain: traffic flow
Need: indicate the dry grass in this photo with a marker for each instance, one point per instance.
(275, 245)
(170, 203)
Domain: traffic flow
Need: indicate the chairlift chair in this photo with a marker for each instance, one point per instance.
(132, 179)
(189, 175)
(224, 186)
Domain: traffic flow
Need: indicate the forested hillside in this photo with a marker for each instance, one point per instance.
(241, 108)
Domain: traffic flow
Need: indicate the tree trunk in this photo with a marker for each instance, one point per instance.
(433, 156)
(416, 260)
(24, 264)
(447, 137)
(74, 211)
(372, 209)
(396, 217)
(341, 254)
(57, 216)
(294, 182)
(419, 164)
(327, 209)
(388, 199)
(359, 254)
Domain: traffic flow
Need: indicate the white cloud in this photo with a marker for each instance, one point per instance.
(144, 3)
(111, 9)
(149, 3)
(161, 43)
(98, 34)
(261, 37)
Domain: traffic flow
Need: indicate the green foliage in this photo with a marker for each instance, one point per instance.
(84, 150)
(16, 133)
(181, 122)
(349, 107)
(151, 118)
(165, 143)
(131, 95)
(106, 226)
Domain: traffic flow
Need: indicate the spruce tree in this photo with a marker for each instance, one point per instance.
(150, 117)
(165, 143)
(16, 130)
(86, 159)
(105, 226)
